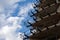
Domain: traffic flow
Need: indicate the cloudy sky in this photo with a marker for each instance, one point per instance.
(14, 15)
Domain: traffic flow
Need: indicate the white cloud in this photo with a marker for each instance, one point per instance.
(10, 2)
(9, 26)
(9, 31)
(1, 8)
(24, 10)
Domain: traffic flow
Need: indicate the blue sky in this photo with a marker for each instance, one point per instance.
(14, 15)
(24, 22)
(24, 3)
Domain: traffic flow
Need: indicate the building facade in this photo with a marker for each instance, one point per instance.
(47, 23)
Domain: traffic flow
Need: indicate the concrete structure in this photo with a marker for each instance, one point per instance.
(47, 23)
